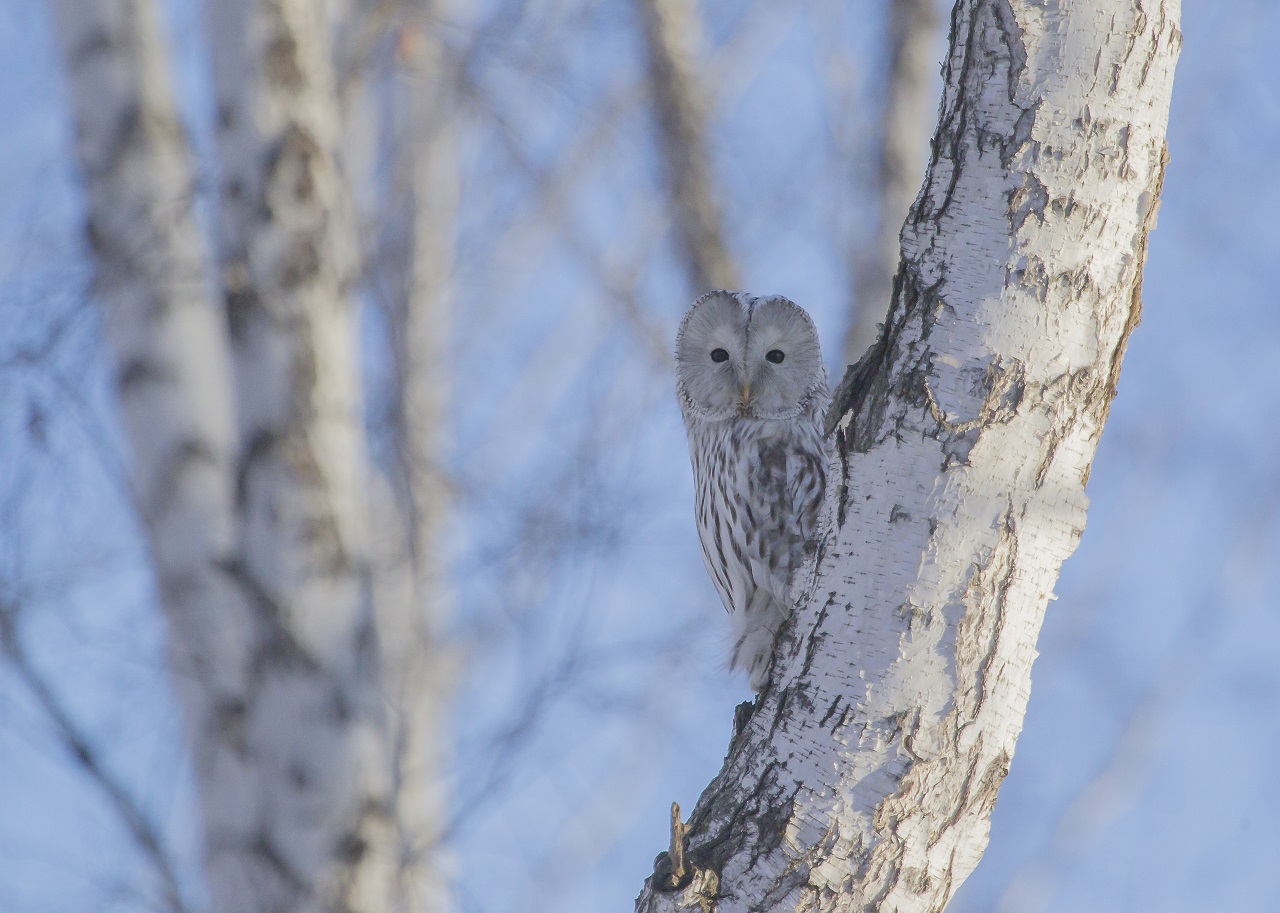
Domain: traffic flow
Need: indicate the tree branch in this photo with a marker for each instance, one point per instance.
(902, 155)
(81, 749)
(671, 37)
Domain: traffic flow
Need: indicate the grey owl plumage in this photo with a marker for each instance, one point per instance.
(752, 391)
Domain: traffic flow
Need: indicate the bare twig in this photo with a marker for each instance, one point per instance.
(80, 748)
(679, 831)
(551, 209)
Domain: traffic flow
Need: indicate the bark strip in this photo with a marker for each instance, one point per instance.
(865, 780)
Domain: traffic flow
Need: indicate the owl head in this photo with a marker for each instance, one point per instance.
(742, 355)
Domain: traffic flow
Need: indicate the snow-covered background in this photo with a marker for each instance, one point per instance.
(593, 644)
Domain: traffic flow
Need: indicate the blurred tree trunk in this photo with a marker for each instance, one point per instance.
(909, 106)
(865, 779)
(172, 360)
(418, 243)
(313, 712)
(250, 459)
(672, 37)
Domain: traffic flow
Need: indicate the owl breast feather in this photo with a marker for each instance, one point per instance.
(759, 487)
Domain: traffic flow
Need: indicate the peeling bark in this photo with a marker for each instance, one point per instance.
(864, 780)
(671, 37)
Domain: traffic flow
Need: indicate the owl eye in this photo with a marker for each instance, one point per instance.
(719, 355)
(775, 356)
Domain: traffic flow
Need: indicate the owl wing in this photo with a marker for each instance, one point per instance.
(806, 486)
(789, 482)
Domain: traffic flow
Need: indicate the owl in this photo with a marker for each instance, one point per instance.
(752, 391)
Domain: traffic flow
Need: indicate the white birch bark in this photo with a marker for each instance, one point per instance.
(671, 39)
(173, 374)
(903, 152)
(315, 829)
(866, 778)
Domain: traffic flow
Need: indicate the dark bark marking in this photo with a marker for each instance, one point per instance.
(230, 720)
(278, 647)
(280, 60)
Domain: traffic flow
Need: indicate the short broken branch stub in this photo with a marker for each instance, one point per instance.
(679, 832)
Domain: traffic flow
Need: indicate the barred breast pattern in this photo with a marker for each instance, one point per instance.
(759, 485)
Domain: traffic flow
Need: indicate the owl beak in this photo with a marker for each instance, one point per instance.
(746, 394)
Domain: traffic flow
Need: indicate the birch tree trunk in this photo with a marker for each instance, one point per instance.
(318, 832)
(904, 150)
(258, 527)
(865, 779)
(172, 361)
